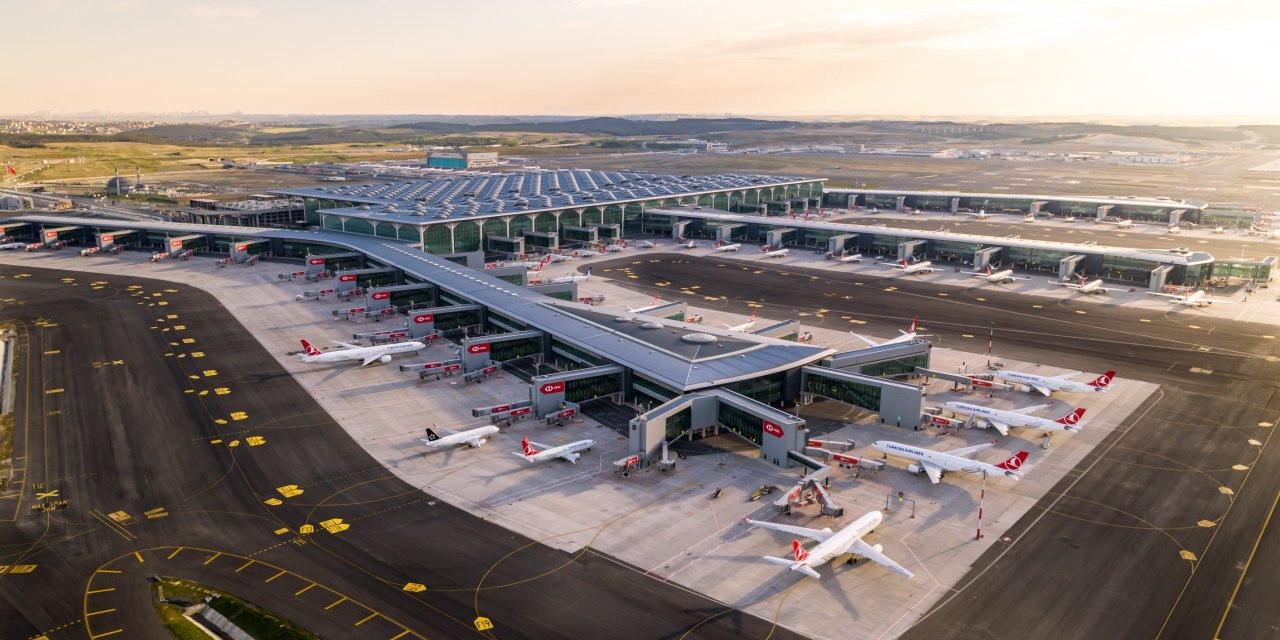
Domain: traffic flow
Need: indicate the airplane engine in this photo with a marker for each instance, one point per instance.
(384, 359)
(575, 457)
(480, 442)
(878, 547)
(915, 468)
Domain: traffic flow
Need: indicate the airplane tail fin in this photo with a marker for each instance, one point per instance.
(798, 551)
(914, 322)
(1014, 463)
(431, 435)
(753, 316)
(1071, 420)
(1103, 381)
(528, 448)
(588, 272)
(988, 269)
(309, 348)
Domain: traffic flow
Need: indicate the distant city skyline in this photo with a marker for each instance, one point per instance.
(1191, 61)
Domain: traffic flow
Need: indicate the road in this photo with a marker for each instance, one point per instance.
(1148, 537)
(182, 448)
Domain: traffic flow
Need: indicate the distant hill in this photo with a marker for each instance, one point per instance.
(606, 126)
(191, 134)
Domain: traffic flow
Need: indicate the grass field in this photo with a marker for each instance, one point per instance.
(258, 623)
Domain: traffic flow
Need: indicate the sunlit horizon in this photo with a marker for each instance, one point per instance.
(1178, 62)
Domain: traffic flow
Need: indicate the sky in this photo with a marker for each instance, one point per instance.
(978, 58)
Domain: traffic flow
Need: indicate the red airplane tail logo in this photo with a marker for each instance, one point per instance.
(1072, 418)
(310, 349)
(528, 448)
(914, 321)
(1103, 380)
(1014, 462)
(798, 549)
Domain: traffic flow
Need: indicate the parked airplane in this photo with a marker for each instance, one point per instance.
(1174, 229)
(980, 215)
(560, 257)
(13, 246)
(844, 257)
(366, 355)
(1046, 385)
(775, 253)
(585, 253)
(910, 268)
(831, 545)
(1001, 420)
(615, 248)
(1119, 224)
(936, 463)
(474, 438)
(568, 279)
(723, 246)
(657, 302)
(1219, 230)
(644, 244)
(1255, 230)
(688, 245)
(529, 264)
(1194, 299)
(566, 452)
(1000, 277)
(907, 336)
(1083, 286)
(744, 326)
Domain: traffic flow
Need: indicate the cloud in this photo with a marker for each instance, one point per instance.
(213, 12)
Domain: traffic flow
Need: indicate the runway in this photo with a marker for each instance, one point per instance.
(182, 448)
(1148, 537)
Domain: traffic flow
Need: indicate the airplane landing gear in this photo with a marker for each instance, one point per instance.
(1044, 441)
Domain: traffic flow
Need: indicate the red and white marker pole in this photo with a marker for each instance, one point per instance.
(981, 500)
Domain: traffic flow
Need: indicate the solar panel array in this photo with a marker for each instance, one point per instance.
(489, 194)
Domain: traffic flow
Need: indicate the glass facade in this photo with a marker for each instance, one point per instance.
(1254, 270)
(646, 387)
(466, 237)
(575, 354)
(494, 227)
(455, 319)
(846, 391)
(386, 230)
(679, 422)
(413, 297)
(439, 239)
(1127, 269)
(519, 225)
(765, 389)
(743, 423)
(585, 389)
(896, 367)
(1034, 259)
(545, 222)
(356, 225)
(579, 234)
(513, 349)
(953, 251)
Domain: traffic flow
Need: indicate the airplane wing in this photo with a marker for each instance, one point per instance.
(869, 552)
(1165, 295)
(346, 345)
(812, 534)
(569, 457)
(370, 359)
(999, 426)
(1026, 410)
(476, 443)
(866, 340)
(934, 473)
(539, 446)
(970, 450)
(430, 443)
(1045, 391)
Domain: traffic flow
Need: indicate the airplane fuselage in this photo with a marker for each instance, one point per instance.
(360, 353)
(943, 461)
(1010, 418)
(1052, 384)
(478, 435)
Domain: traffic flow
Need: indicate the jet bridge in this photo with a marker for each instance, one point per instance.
(1067, 266)
(181, 244)
(780, 237)
(1159, 276)
(706, 413)
(725, 231)
(983, 257)
(550, 393)
(912, 249)
(353, 279)
(842, 242)
(16, 229)
(50, 235)
(108, 240)
(429, 321)
(814, 484)
(479, 352)
(398, 297)
(246, 250)
(898, 403)
(330, 262)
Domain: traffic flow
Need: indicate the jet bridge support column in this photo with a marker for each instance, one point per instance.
(1104, 211)
(982, 257)
(955, 205)
(1159, 276)
(900, 203)
(1067, 266)
(910, 249)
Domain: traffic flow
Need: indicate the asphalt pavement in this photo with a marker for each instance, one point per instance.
(1154, 535)
(182, 448)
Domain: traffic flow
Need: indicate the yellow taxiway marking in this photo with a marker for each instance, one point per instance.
(98, 613)
(175, 552)
(139, 557)
(400, 635)
(1080, 312)
(104, 590)
(213, 557)
(103, 635)
(49, 392)
(107, 571)
(336, 603)
(304, 589)
(1245, 571)
(282, 572)
(1144, 320)
(244, 566)
(53, 352)
(367, 618)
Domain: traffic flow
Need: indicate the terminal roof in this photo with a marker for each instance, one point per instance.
(490, 194)
(1114, 200)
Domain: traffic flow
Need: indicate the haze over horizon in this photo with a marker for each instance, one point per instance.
(1180, 60)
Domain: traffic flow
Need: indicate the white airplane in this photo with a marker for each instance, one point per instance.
(1174, 229)
(529, 264)
(1083, 286)
(907, 336)
(644, 244)
(1194, 299)
(742, 327)
(657, 302)
(723, 246)
(366, 355)
(775, 253)
(831, 545)
(566, 452)
(910, 268)
(560, 257)
(586, 253)
(1255, 230)
(474, 438)
(688, 245)
(845, 258)
(1119, 224)
(13, 246)
(1046, 385)
(980, 215)
(1068, 218)
(936, 463)
(999, 277)
(615, 248)
(1002, 421)
(568, 279)
(1219, 230)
